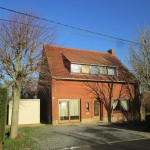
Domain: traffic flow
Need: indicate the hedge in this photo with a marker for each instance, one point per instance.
(3, 113)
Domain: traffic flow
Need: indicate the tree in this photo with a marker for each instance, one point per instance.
(105, 93)
(139, 58)
(146, 101)
(21, 41)
(29, 88)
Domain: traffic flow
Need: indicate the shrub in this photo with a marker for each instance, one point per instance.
(3, 112)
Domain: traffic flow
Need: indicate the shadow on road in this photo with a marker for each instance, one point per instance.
(134, 126)
(99, 141)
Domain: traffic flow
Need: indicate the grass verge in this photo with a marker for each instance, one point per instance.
(23, 141)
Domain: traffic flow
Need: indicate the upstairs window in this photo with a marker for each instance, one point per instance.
(75, 68)
(94, 70)
(111, 71)
(85, 69)
(103, 70)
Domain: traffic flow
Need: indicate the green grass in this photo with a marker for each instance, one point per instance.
(17, 144)
(23, 140)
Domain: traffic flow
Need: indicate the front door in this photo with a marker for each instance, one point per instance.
(96, 110)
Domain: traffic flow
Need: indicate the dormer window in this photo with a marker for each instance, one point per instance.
(94, 70)
(75, 68)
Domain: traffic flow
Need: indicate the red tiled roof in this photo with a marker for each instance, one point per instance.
(58, 55)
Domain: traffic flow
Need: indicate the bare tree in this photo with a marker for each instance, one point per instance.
(105, 93)
(29, 88)
(21, 41)
(139, 58)
(145, 104)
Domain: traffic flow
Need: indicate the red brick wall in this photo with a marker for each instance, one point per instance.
(78, 90)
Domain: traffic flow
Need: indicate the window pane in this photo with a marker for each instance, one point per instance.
(111, 71)
(103, 70)
(75, 68)
(74, 109)
(94, 70)
(63, 110)
(125, 105)
(85, 69)
(96, 108)
(116, 104)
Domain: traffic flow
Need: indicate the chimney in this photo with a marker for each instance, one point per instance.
(111, 51)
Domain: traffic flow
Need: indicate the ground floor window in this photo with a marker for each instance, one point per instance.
(74, 109)
(121, 105)
(69, 110)
(63, 110)
(87, 106)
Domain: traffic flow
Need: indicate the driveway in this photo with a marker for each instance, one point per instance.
(89, 137)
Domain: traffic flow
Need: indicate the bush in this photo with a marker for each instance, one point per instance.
(3, 112)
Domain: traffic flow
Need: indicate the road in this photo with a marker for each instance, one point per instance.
(89, 137)
(142, 144)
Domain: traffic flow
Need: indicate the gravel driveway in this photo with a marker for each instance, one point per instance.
(73, 137)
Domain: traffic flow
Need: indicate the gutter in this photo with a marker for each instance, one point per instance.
(90, 80)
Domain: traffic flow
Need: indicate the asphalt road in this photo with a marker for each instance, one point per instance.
(90, 137)
(143, 144)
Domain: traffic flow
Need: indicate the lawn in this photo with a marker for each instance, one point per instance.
(25, 139)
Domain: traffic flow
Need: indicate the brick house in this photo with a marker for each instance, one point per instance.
(86, 86)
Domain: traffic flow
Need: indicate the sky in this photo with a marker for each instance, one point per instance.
(118, 18)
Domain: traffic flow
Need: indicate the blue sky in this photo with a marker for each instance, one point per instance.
(119, 18)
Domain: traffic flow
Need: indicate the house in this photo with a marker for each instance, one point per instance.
(86, 86)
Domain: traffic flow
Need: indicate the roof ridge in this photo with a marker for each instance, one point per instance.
(77, 49)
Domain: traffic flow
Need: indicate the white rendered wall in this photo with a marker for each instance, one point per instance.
(29, 111)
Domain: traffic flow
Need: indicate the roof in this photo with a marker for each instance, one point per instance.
(58, 56)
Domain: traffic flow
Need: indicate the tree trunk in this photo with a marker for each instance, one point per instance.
(15, 113)
(109, 115)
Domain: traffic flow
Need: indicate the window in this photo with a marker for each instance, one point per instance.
(96, 108)
(121, 105)
(116, 104)
(111, 71)
(74, 109)
(85, 69)
(103, 70)
(94, 70)
(125, 104)
(87, 106)
(69, 110)
(63, 113)
(75, 68)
